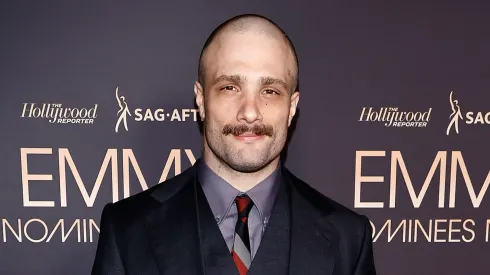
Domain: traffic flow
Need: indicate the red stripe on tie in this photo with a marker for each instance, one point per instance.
(242, 269)
(242, 203)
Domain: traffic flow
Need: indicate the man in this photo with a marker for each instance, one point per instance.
(237, 210)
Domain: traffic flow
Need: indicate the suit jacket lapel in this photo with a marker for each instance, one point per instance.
(183, 233)
(216, 255)
(297, 233)
(313, 239)
(272, 256)
(171, 229)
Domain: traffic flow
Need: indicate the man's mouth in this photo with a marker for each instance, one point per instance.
(248, 136)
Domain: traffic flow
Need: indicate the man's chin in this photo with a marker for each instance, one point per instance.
(247, 166)
(248, 161)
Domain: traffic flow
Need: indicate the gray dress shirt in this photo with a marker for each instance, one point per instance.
(221, 198)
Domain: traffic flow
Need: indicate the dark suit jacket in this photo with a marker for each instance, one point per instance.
(170, 229)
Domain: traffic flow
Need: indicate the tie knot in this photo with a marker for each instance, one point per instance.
(244, 204)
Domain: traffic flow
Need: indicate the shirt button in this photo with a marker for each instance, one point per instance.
(217, 219)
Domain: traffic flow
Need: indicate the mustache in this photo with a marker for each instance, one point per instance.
(258, 129)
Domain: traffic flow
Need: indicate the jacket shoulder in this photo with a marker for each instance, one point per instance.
(139, 205)
(337, 213)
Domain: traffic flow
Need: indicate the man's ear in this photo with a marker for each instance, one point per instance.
(293, 106)
(199, 92)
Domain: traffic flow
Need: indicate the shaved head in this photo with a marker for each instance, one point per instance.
(247, 95)
(248, 23)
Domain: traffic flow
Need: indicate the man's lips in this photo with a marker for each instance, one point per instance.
(248, 136)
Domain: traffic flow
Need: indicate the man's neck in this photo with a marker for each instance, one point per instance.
(240, 180)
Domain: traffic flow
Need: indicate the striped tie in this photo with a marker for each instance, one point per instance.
(241, 246)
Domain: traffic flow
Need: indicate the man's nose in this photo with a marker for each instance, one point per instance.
(249, 110)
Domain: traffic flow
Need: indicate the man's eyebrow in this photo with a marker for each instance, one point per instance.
(235, 78)
(272, 80)
(240, 79)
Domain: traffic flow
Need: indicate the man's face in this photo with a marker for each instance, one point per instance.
(247, 102)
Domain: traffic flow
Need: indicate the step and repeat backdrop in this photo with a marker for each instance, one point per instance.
(96, 104)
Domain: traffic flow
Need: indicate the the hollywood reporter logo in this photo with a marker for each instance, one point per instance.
(393, 117)
(57, 113)
(147, 115)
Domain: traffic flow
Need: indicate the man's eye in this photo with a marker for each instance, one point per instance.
(271, 92)
(229, 88)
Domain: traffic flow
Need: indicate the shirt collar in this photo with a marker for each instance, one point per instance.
(221, 195)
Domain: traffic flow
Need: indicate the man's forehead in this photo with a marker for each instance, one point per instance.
(228, 48)
(246, 38)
